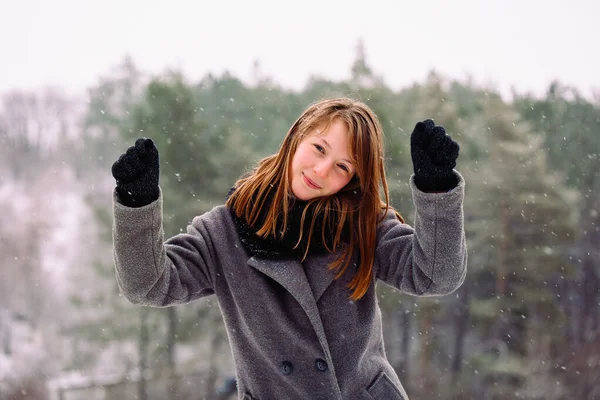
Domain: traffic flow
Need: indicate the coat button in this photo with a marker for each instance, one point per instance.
(321, 365)
(286, 367)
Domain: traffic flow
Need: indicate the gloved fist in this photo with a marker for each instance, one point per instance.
(136, 173)
(434, 155)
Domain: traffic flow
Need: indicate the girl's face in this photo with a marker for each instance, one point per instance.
(321, 165)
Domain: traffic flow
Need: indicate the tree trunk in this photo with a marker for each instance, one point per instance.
(590, 258)
(462, 326)
(502, 269)
(589, 292)
(426, 347)
(171, 336)
(218, 338)
(406, 328)
(143, 354)
(6, 332)
(171, 351)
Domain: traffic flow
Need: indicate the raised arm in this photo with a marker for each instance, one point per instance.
(430, 259)
(150, 271)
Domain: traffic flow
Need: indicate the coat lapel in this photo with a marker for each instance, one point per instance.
(318, 275)
(290, 274)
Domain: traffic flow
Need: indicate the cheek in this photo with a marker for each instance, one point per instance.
(297, 159)
(302, 157)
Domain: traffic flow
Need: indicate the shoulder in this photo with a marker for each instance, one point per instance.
(390, 216)
(217, 228)
(218, 218)
(390, 220)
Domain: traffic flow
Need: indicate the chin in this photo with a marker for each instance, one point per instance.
(302, 194)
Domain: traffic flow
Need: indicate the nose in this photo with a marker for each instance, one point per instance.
(322, 169)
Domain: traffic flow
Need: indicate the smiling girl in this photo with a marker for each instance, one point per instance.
(294, 255)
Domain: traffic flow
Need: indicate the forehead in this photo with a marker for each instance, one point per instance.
(336, 131)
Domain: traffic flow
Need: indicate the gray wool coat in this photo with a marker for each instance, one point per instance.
(294, 332)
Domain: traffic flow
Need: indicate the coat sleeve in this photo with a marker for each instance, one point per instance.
(156, 273)
(431, 258)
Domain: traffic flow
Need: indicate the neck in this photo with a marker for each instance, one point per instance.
(295, 241)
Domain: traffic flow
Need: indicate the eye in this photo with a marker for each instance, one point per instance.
(344, 167)
(319, 148)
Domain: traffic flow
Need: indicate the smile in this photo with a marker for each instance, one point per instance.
(310, 183)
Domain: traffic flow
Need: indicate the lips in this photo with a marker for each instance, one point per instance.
(310, 183)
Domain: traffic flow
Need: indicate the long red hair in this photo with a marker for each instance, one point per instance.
(358, 207)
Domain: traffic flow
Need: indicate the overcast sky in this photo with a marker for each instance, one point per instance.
(520, 43)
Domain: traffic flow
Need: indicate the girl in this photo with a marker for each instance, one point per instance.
(294, 254)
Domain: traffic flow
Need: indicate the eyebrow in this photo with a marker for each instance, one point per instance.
(328, 145)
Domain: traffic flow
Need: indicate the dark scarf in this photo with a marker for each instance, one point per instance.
(275, 248)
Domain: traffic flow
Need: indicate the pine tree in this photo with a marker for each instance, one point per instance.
(526, 219)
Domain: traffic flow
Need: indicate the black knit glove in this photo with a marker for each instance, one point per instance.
(136, 173)
(434, 155)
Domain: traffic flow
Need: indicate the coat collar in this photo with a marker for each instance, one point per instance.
(289, 273)
(302, 281)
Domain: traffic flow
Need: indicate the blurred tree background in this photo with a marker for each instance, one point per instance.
(526, 323)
